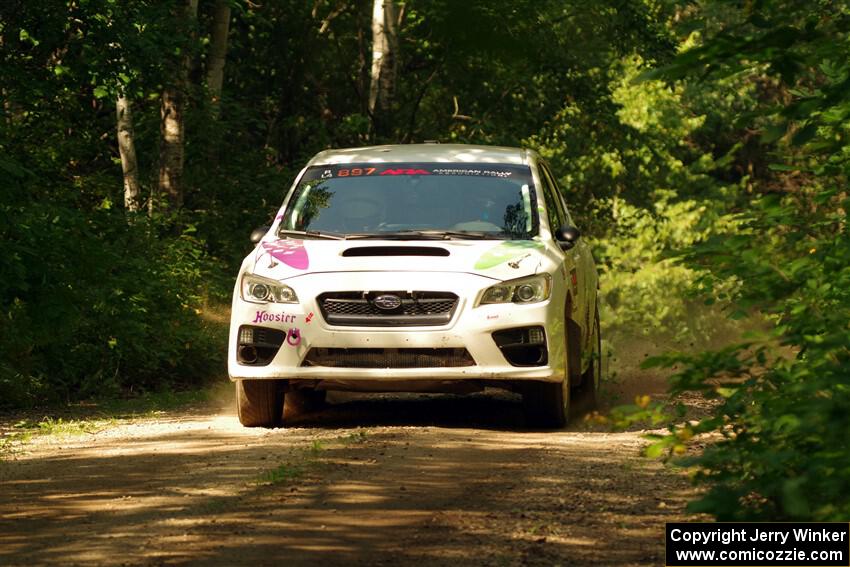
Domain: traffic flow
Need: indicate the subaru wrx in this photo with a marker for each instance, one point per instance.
(420, 268)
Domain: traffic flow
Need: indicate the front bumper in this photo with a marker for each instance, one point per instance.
(470, 328)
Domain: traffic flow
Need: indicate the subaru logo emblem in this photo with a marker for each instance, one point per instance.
(387, 302)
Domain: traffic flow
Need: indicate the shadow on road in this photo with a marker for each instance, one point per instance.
(440, 480)
(495, 410)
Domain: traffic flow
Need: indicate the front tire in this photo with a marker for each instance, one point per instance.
(586, 393)
(259, 403)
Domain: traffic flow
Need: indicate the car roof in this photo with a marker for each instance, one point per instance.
(423, 153)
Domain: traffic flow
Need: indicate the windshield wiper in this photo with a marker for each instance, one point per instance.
(426, 235)
(312, 233)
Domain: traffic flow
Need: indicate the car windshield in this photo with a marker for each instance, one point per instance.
(414, 200)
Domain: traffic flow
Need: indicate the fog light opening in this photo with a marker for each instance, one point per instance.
(248, 354)
(523, 346)
(257, 346)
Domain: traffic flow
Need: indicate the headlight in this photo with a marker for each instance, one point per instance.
(524, 290)
(264, 290)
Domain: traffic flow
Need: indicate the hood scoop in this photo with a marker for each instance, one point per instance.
(361, 251)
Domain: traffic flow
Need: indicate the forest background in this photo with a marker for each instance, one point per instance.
(704, 146)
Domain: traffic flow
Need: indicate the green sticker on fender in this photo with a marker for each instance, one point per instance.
(504, 252)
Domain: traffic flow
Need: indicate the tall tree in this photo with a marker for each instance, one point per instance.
(127, 150)
(385, 21)
(218, 51)
(172, 119)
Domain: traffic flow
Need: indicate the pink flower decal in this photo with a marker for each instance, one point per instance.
(290, 252)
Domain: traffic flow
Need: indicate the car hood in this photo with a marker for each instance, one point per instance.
(498, 259)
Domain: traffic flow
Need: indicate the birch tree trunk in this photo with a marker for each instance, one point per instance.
(172, 122)
(218, 51)
(127, 150)
(384, 64)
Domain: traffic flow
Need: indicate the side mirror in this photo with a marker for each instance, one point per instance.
(258, 234)
(567, 236)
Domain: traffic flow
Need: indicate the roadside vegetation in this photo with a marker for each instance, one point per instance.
(19, 427)
(703, 147)
(785, 259)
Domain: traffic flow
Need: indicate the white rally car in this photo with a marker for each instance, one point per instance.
(418, 268)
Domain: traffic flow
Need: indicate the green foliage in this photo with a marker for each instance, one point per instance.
(303, 459)
(282, 474)
(93, 302)
(784, 396)
(92, 306)
(781, 456)
(642, 187)
(646, 292)
(498, 72)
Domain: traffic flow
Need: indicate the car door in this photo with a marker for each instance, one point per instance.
(586, 278)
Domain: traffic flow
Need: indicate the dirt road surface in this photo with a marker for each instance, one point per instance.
(392, 480)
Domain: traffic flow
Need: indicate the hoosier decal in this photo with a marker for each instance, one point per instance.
(266, 317)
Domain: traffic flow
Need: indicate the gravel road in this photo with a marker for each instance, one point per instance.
(393, 479)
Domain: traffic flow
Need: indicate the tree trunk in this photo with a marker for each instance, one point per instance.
(171, 132)
(127, 150)
(384, 64)
(218, 51)
(172, 122)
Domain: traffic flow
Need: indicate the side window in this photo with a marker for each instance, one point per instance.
(552, 205)
(558, 196)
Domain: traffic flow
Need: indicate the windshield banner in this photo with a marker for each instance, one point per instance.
(338, 171)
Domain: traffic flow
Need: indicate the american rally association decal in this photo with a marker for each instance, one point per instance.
(413, 169)
(505, 252)
(290, 252)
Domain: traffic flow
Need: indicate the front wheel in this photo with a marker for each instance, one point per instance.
(586, 393)
(546, 404)
(259, 403)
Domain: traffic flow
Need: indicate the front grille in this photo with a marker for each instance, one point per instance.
(355, 308)
(388, 357)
